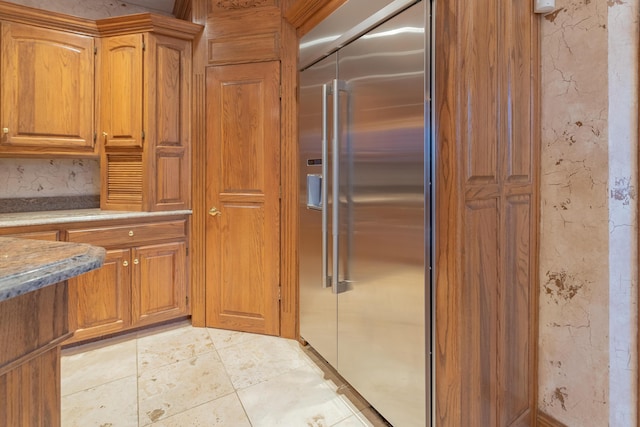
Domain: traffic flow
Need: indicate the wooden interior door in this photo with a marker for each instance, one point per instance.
(243, 195)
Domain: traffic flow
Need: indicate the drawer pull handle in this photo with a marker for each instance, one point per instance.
(136, 262)
(131, 233)
(125, 263)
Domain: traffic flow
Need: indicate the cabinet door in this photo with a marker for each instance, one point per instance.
(120, 109)
(99, 299)
(159, 283)
(167, 122)
(121, 91)
(47, 92)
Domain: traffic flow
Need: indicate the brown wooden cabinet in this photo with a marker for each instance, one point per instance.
(47, 92)
(145, 96)
(99, 300)
(143, 280)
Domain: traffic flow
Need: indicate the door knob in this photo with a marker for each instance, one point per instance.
(214, 212)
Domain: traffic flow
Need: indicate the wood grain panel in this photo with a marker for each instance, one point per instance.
(217, 5)
(515, 316)
(448, 221)
(99, 299)
(479, 32)
(243, 177)
(486, 144)
(170, 105)
(182, 9)
(47, 92)
(122, 181)
(128, 235)
(197, 245)
(261, 47)
(479, 317)
(517, 69)
(245, 235)
(243, 23)
(169, 165)
(243, 169)
(30, 394)
(289, 181)
(121, 91)
(51, 236)
(159, 285)
(167, 120)
(23, 333)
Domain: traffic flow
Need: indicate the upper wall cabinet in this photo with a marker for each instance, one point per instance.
(47, 92)
(144, 119)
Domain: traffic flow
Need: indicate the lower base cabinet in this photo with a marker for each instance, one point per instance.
(143, 280)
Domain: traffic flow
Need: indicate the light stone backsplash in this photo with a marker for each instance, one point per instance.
(26, 178)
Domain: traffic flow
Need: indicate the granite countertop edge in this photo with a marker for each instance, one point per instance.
(48, 264)
(76, 215)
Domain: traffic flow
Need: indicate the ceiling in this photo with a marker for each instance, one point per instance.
(165, 6)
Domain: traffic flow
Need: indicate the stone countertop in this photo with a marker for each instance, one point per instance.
(28, 265)
(76, 215)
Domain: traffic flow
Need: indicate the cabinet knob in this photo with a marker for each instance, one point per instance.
(214, 212)
(125, 263)
(131, 233)
(136, 262)
(5, 130)
(105, 134)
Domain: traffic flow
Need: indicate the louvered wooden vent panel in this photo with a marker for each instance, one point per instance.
(124, 178)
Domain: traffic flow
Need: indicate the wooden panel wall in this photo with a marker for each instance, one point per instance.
(245, 32)
(487, 148)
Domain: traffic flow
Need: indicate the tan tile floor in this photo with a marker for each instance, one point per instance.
(180, 376)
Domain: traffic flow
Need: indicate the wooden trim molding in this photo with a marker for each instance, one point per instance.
(289, 181)
(147, 22)
(198, 171)
(47, 19)
(545, 420)
(126, 24)
(306, 14)
(182, 9)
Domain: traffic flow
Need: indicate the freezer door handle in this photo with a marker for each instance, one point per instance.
(335, 185)
(337, 285)
(326, 279)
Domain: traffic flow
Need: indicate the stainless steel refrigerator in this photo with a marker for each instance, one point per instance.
(365, 211)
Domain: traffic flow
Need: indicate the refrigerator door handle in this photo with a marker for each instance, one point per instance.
(335, 183)
(326, 278)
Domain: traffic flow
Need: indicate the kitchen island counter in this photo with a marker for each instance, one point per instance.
(34, 324)
(28, 265)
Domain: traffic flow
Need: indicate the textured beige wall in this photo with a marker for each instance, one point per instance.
(588, 362)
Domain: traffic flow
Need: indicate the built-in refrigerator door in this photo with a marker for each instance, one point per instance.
(318, 304)
(382, 342)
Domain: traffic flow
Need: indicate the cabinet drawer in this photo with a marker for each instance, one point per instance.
(37, 235)
(127, 235)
